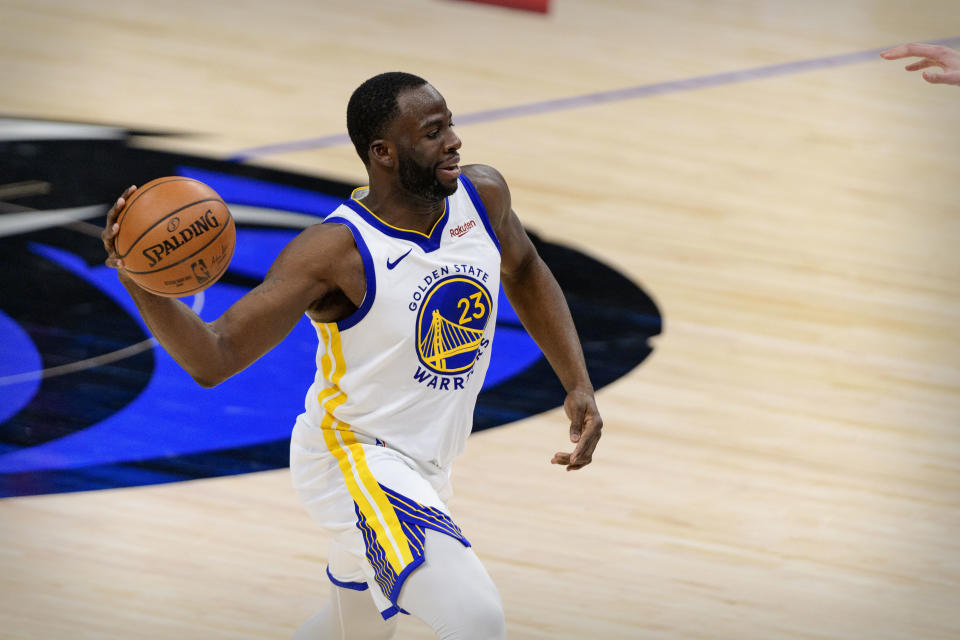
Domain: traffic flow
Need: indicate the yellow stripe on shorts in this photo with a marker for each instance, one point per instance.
(363, 487)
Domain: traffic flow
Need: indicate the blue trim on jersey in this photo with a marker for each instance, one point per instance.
(356, 586)
(389, 612)
(427, 243)
(407, 570)
(368, 272)
(414, 513)
(414, 519)
(481, 210)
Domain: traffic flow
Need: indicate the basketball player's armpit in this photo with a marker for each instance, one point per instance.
(322, 260)
(332, 307)
(305, 272)
(252, 326)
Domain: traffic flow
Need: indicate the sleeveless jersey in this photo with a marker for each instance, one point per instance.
(405, 369)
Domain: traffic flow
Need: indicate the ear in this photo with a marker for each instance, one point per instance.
(383, 153)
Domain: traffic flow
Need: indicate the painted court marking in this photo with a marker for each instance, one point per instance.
(490, 115)
(96, 361)
(604, 97)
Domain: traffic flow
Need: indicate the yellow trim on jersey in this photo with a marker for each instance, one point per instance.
(327, 358)
(331, 367)
(336, 347)
(342, 443)
(425, 235)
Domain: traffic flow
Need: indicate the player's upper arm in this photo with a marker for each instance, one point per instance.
(516, 250)
(312, 265)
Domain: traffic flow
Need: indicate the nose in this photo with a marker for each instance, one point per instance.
(453, 140)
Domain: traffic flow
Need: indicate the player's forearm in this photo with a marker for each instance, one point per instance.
(542, 308)
(183, 334)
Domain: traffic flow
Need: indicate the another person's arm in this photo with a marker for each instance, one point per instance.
(211, 352)
(933, 55)
(541, 307)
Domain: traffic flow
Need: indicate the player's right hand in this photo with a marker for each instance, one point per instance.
(934, 55)
(110, 229)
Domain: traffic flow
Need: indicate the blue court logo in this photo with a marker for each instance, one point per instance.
(450, 324)
(85, 395)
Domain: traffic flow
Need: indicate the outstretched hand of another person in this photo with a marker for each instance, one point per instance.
(934, 55)
(585, 426)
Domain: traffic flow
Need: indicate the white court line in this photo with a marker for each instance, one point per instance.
(273, 217)
(12, 224)
(96, 361)
(26, 129)
(16, 223)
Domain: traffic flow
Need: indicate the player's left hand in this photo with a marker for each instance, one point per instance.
(585, 426)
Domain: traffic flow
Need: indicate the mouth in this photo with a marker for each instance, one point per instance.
(450, 169)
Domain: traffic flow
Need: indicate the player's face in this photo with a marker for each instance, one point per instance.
(428, 164)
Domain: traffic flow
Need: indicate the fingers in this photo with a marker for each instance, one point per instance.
(934, 55)
(915, 49)
(575, 405)
(111, 228)
(922, 64)
(895, 53)
(576, 426)
(567, 460)
(583, 453)
(942, 78)
(585, 426)
(581, 456)
(119, 204)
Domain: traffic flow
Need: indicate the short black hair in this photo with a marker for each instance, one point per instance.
(373, 106)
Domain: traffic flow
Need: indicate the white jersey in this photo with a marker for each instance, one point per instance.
(405, 369)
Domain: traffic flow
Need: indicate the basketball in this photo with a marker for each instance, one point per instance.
(176, 236)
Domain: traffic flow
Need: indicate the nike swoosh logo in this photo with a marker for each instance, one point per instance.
(391, 265)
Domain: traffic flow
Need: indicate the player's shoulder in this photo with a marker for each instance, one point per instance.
(326, 235)
(320, 247)
(492, 188)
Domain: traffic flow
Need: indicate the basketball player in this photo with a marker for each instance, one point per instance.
(934, 55)
(401, 285)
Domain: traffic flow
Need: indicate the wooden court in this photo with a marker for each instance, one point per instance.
(787, 462)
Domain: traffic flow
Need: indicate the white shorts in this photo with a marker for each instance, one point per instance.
(376, 503)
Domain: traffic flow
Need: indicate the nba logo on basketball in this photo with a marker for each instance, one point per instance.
(200, 271)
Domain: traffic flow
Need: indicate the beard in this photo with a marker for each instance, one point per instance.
(421, 181)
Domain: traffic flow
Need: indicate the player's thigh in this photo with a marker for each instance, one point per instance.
(453, 593)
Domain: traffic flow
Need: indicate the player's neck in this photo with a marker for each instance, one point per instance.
(402, 209)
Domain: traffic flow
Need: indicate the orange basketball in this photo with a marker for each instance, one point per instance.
(176, 236)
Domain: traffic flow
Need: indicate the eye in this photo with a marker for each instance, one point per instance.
(434, 133)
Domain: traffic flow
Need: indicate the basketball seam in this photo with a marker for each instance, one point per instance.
(141, 191)
(213, 279)
(184, 259)
(158, 222)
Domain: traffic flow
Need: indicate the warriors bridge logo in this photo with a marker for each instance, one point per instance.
(451, 323)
